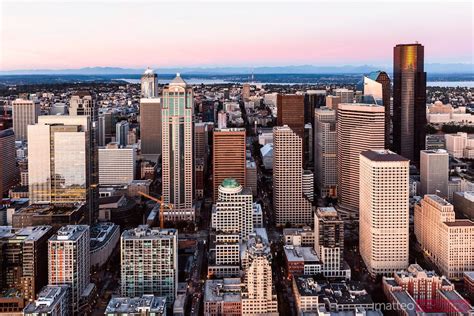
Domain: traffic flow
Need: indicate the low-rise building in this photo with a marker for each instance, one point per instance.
(463, 202)
(312, 295)
(223, 297)
(146, 305)
(56, 215)
(303, 237)
(104, 239)
(53, 300)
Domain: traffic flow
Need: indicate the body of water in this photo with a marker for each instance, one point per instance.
(194, 81)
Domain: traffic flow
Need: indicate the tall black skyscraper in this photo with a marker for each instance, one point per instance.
(409, 100)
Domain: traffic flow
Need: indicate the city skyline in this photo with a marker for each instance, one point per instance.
(270, 34)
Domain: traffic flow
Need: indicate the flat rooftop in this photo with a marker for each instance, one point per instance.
(69, 233)
(51, 209)
(101, 233)
(153, 303)
(297, 253)
(382, 156)
(145, 232)
(227, 290)
(460, 223)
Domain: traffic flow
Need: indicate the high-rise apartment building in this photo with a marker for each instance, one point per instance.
(149, 262)
(434, 172)
(177, 148)
(290, 112)
(291, 206)
(446, 240)
(24, 260)
(24, 112)
(229, 156)
(60, 162)
(377, 85)
(150, 127)
(329, 239)
(325, 151)
(116, 165)
(121, 133)
(383, 220)
(149, 84)
(409, 100)
(359, 127)
(9, 172)
(69, 261)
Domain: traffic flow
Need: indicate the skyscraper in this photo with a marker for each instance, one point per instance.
(60, 161)
(329, 239)
(383, 221)
(25, 112)
(149, 83)
(291, 206)
(234, 209)
(359, 127)
(9, 173)
(69, 261)
(258, 296)
(121, 133)
(434, 172)
(150, 127)
(177, 148)
(229, 160)
(116, 165)
(83, 103)
(290, 111)
(325, 151)
(149, 262)
(377, 85)
(346, 95)
(409, 100)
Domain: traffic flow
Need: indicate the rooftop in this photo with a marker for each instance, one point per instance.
(70, 233)
(145, 232)
(334, 292)
(52, 209)
(49, 296)
(382, 155)
(297, 253)
(149, 303)
(227, 290)
(101, 233)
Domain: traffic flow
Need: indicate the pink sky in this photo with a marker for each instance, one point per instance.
(73, 34)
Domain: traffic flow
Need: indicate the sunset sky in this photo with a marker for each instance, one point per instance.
(74, 34)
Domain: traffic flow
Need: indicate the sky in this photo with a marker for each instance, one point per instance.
(136, 34)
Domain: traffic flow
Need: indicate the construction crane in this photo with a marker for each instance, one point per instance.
(162, 207)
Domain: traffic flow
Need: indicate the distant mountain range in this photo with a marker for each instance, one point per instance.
(301, 69)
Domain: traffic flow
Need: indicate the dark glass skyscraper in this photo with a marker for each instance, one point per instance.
(409, 100)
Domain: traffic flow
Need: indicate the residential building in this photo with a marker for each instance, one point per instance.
(149, 262)
(69, 261)
(53, 300)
